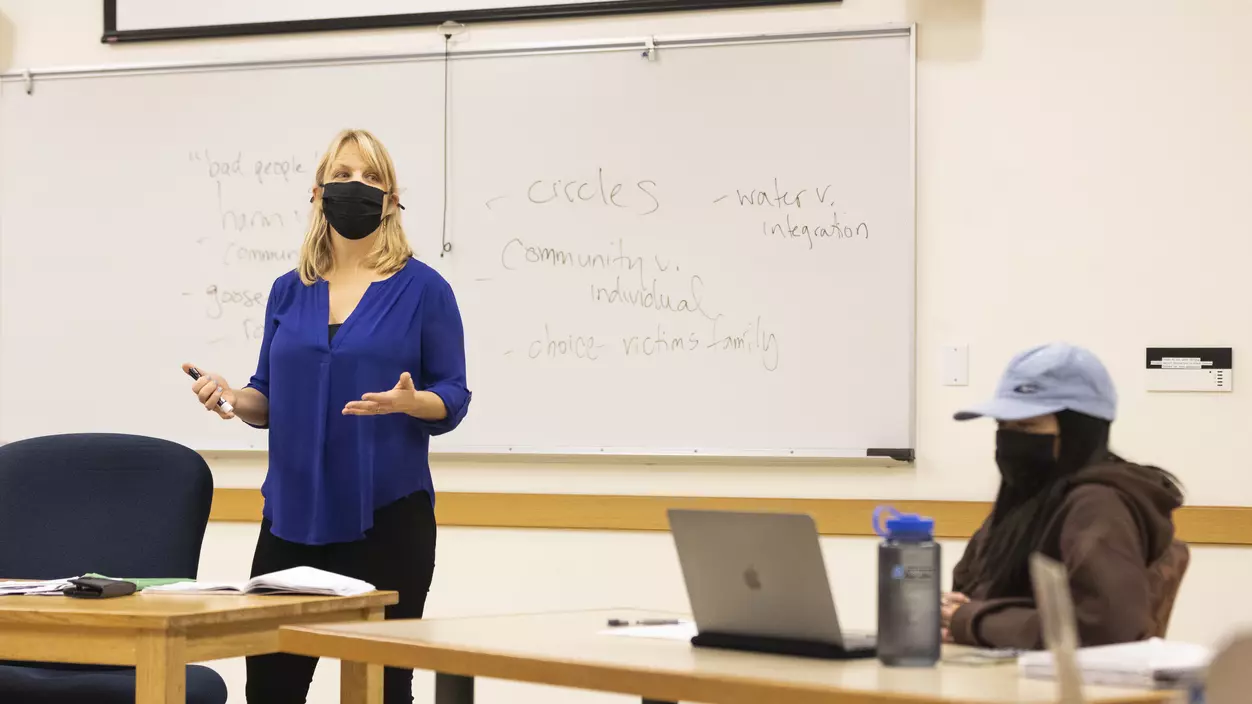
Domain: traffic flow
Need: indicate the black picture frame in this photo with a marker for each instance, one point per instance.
(509, 14)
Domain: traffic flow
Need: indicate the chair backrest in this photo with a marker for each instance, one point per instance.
(1059, 625)
(1168, 572)
(1229, 676)
(119, 505)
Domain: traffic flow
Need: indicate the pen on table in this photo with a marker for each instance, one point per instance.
(617, 622)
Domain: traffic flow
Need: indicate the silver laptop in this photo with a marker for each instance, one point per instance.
(758, 574)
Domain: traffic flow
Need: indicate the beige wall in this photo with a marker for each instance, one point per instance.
(1082, 170)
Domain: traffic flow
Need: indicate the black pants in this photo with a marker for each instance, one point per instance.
(397, 554)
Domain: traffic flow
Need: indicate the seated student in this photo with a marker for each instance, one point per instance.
(1064, 494)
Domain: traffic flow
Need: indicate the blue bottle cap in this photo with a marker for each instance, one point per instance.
(902, 524)
(911, 524)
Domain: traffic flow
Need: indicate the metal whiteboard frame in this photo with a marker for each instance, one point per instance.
(31, 78)
(640, 44)
(522, 11)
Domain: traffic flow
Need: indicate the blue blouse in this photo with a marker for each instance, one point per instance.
(329, 472)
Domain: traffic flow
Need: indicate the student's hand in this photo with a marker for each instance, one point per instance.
(400, 399)
(209, 388)
(948, 606)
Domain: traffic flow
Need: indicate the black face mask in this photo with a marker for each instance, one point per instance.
(1025, 458)
(353, 208)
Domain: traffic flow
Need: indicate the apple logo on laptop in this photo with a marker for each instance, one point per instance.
(752, 579)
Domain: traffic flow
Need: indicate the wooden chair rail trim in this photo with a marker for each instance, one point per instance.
(1198, 525)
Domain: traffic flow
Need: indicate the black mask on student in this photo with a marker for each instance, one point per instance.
(1025, 459)
(353, 208)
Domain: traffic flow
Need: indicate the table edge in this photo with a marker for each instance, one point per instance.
(653, 684)
(193, 619)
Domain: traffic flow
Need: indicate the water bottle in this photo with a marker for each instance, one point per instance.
(908, 589)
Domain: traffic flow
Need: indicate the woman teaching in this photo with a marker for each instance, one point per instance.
(362, 361)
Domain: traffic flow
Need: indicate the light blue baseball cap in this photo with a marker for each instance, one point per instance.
(1048, 379)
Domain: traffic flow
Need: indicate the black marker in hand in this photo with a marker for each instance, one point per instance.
(221, 402)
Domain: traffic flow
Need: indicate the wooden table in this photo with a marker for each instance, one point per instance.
(566, 650)
(160, 633)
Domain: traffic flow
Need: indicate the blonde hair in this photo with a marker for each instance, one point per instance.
(391, 250)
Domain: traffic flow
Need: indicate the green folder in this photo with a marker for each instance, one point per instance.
(144, 583)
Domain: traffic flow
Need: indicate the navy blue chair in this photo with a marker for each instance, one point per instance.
(120, 505)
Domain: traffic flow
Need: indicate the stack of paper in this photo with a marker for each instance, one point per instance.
(1151, 663)
(297, 580)
(51, 587)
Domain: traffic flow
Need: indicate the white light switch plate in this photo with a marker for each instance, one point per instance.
(954, 365)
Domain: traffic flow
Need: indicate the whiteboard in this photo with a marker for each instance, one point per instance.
(704, 251)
